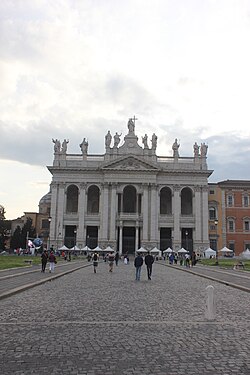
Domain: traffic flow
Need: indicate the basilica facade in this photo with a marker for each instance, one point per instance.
(129, 197)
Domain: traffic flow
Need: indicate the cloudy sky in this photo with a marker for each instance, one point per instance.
(77, 68)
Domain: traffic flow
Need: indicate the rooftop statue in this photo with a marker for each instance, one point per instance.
(154, 141)
(175, 148)
(196, 149)
(64, 146)
(57, 146)
(145, 141)
(204, 148)
(117, 139)
(131, 126)
(84, 146)
(108, 139)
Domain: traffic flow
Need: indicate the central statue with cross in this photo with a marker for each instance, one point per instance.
(131, 125)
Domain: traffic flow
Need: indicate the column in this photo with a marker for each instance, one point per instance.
(153, 214)
(204, 224)
(60, 215)
(113, 211)
(105, 212)
(120, 238)
(177, 212)
(136, 236)
(145, 213)
(81, 214)
(53, 212)
(198, 217)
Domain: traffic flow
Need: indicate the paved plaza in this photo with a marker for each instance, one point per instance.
(107, 323)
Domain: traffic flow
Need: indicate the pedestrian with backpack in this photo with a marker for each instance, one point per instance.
(95, 259)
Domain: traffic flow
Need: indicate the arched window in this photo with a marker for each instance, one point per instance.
(129, 199)
(212, 213)
(165, 201)
(186, 201)
(93, 199)
(72, 199)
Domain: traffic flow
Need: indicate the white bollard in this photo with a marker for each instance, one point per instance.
(210, 303)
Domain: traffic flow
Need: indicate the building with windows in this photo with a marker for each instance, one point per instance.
(129, 196)
(235, 206)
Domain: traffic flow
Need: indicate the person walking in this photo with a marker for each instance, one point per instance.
(111, 259)
(116, 258)
(138, 262)
(95, 259)
(149, 260)
(52, 261)
(44, 259)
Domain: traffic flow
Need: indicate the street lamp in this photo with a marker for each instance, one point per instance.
(48, 244)
(186, 234)
(216, 261)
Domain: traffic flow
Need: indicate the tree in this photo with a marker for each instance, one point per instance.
(5, 226)
(15, 241)
(28, 231)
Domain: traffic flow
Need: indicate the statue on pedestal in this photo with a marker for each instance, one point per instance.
(154, 141)
(175, 148)
(196, 150)
(204, 148)
(64, 146)
(145, 141)
(117, 139)
(108, 139)
(84, 146)
(57, 146)
(131, 126)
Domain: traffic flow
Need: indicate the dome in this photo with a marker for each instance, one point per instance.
(44, 204)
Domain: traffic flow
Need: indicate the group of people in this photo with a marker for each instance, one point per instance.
(138, 262)
(48, 257)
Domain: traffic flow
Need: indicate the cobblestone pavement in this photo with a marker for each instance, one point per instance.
(107, 323)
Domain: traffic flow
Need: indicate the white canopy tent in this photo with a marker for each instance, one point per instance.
(225, 250)
(63, 248)
(182, 251)
(155, 251)
(245, 254)
(76, 248)
(86, 248)
(209, 252)
(168, 250)
(97, 249)
(108, 250)
(141, 250)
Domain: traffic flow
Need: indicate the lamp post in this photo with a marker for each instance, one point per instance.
(48, 244)
(186, 234)
(216, 261)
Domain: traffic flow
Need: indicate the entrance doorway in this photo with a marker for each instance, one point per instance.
(128, 240)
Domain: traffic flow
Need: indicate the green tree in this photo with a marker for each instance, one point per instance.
(5, 226)
(16, 241)
(28, 231)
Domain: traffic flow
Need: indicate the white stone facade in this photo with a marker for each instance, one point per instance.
(129, 197)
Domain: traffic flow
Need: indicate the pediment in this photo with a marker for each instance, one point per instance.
(130, 163)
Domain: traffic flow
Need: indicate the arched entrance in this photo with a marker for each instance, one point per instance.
(128, 240)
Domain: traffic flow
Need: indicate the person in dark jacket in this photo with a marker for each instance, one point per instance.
(52, 261)
(149, 260)
(44, 259)
(138, 262)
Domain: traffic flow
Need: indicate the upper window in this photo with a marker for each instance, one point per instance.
(211, 192)
(245, 200)
(229, 200)
(246, 226)
(212, 213)
(186, 201)
(231, 225)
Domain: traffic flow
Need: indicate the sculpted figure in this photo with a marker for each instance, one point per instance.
(175, 148)
(131, 126)
(204, 148)
(57, 145)
(196, 149)
(108, 139)
(154, 141)
(84, 146)
(64, 146)
(145, 141)
(117, 139)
